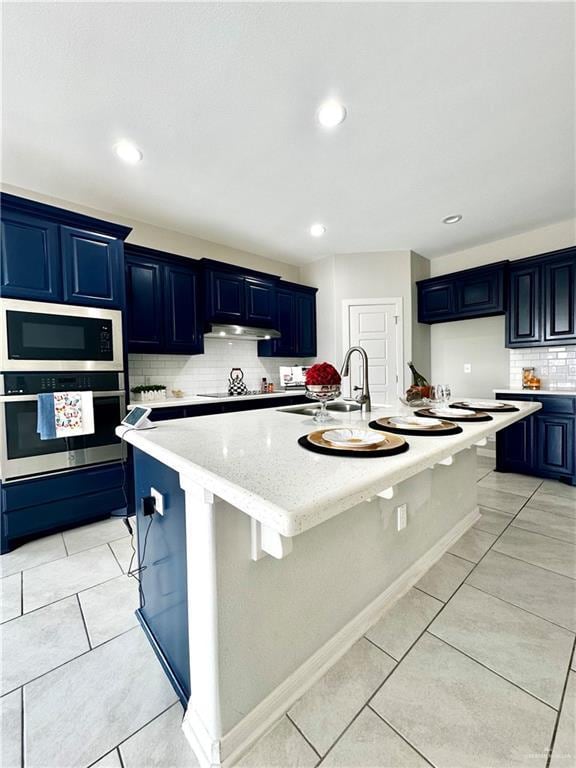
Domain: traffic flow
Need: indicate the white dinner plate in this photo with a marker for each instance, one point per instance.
(413, 422)
(451, 412)
(354, 438)
(485, 403)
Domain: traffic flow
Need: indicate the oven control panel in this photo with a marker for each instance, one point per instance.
(34, 383)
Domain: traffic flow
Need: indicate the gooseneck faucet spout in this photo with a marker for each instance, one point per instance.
(363, 396)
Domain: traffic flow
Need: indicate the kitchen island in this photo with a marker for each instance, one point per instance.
(263, 562)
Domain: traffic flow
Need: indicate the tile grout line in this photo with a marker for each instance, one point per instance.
(22, 727)
(117, 750)
(68, 661)
(60, 599)
(527, 562)
(441, 609)
(519, 607)
(64, 542)
(57, 559)
(498, 674)
(400, 735)
(83, 620)
(557, 722)
(538, 533)
(306, 739)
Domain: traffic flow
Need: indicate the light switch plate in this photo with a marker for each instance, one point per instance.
(159, 500)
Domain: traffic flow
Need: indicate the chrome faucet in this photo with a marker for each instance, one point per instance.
(364, 391)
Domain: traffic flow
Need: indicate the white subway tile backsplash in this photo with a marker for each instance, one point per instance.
(554, 365)
(208, 372)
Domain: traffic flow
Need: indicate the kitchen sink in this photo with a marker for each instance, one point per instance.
(310, 410)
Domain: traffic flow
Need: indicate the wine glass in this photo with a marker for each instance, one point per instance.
(323, 393)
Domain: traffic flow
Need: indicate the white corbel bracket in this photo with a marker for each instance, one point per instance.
(447, 462)
(481, 443)
(387, 493)
(266, 541)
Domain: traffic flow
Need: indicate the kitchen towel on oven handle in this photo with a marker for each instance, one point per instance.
(65, 414)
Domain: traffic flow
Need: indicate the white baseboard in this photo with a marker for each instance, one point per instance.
(223, 754)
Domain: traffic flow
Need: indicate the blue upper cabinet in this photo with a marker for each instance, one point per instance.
(559, 282)
(50, 254)
(542, 300)
(144, 304)
(462, 295)
(435, 301)
(296, 321)
(93, 268)
(524, 316)
(260, 302)
(225, 296)
(163, 301)
(30, 261)
(182, 316)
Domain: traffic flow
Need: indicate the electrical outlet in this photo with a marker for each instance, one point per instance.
(402, 517)
(159, 500)
(467, 368)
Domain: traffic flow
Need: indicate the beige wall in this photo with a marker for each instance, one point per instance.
(482, 342)
(386, 274)
(168, 240)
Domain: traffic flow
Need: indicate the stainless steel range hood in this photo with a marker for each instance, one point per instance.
(221, 331)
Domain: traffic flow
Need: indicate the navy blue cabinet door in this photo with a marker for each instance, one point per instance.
(559, 277)
(30, 261)
(92, 268)
(435, 301)
(183, 331)
(555, 446)
(306, 313)
(287, 324)
(523, 319)
(480, 294)
(260, 302)
(514, 447)
(226, 297)
(144, 305)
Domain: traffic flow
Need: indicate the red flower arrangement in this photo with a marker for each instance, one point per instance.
(322, 374)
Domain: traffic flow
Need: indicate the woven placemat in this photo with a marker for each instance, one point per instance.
(506, 408)
(440, 430)
(315, 443)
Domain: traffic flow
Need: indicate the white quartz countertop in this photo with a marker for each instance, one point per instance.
(565, 392)
(252, 460)
(170, 402)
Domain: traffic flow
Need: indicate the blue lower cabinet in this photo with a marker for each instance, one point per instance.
(37, 506)
(163, 609)
(543, 444)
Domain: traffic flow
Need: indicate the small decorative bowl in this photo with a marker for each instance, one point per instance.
(323, 393)
(420, 403)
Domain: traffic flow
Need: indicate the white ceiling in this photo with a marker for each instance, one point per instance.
(452, 108)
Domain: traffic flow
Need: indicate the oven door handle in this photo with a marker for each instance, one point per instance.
(29, 398)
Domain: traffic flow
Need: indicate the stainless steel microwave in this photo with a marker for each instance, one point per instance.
(36, 336)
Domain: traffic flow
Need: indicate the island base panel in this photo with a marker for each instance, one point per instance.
(279, 623)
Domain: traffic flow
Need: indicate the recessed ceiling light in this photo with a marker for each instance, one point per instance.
(331, 114)
(128, 152)
(454, 219)
(317, 230)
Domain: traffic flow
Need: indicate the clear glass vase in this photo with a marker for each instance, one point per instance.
(322, 393)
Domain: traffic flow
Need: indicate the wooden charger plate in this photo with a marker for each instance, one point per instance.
(504, 408)
(445, 428)
(474, 416)
(315, 442)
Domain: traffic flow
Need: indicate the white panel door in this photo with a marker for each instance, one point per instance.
(377, 328)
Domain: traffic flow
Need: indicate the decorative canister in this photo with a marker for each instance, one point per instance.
(236, 384)
(529, 378)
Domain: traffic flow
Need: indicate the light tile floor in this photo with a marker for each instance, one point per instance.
(473, 667)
